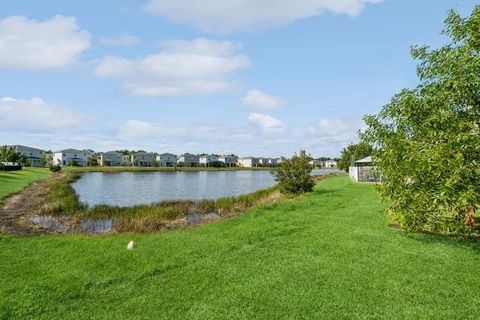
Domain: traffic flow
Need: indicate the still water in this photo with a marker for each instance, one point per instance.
(132, 188)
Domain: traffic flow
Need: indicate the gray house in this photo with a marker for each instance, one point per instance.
(34, 155)
(188, 160)
(110, 158)
(167, 160)
(230, 161)
(143, 159)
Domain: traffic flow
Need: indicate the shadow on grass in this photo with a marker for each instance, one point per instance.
(472, 242)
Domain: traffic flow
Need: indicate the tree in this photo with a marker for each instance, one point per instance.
(427, 140)
(294, 174)
(352, 153)
(9, 154)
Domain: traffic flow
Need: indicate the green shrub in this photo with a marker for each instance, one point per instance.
(55, 168)
(294, 175)
(426, 140)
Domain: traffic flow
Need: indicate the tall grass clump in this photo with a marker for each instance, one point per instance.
(61, 199)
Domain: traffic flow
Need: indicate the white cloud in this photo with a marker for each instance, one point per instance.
(36, 114)
(31, 44)
(267, 124)
(123, 41)
(220, 16)
(258, 100)
(200, 66)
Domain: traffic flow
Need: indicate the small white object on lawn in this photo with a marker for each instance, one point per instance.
(130, 245)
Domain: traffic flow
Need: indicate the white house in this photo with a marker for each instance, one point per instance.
(188, 160)
(70, 157)
(167, 160)
(248, 162)
(330, 164)
(316, 163)
(274, 162)
(110, 158)
(229, 161)
(207, 160)
(142, 159)
(35, 156)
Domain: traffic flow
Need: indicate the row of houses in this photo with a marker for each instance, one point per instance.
(323, 164)
(68, 157)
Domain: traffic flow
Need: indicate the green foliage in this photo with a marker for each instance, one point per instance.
(55, 168)
(15, 181)
(352, 153)
(9, 154)
(294, 175)
(427, 139)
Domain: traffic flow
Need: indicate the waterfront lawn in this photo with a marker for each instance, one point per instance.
(15, 181)
(326, 255)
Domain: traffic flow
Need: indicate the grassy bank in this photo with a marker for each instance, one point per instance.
(15, 181)
(328, 255)
(61, 200)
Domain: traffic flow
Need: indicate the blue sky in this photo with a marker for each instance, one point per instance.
(249, 77)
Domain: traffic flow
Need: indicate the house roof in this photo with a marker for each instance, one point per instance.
(70, 150)
(144, 153)
(19, 146)
(166, 154)
(112, 152)
(365, 160)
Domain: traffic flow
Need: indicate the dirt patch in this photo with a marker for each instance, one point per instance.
(17, 210)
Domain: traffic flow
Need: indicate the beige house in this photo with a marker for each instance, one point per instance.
(248, 162)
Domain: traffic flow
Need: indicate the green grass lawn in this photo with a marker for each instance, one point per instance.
(327, 255)
(15, 181)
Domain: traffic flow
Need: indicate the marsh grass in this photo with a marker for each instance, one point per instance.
(62, 200)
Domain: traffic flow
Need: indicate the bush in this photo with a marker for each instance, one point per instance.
(55, 168)
(294, 175)
(426, 140)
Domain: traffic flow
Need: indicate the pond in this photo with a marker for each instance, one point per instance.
(133, 188)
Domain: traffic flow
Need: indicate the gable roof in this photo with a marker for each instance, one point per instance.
(365, 160)
(19, 146)
(70, 151)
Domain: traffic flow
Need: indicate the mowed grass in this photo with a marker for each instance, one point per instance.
(326, 255)
(15, 181)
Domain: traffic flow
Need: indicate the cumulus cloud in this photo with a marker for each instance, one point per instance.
(220, 16)
(200, 66)
(258, 100)
(36, 114)
(267, 124)
(123, 41)
(32, 44)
